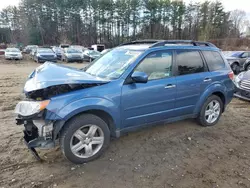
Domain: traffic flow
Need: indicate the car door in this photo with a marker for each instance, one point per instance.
(191, 76)
(153, 101)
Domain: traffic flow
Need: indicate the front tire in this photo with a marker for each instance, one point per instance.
(84, 138)
(210, 111)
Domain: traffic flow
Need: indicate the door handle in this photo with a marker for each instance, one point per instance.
(169, 86)
(207, 80)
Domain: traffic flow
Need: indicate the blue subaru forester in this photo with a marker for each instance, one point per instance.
(135, 85)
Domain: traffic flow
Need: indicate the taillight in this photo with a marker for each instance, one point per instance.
(231, 75)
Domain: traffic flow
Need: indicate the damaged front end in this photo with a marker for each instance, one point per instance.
(37, 131)
(41, 126)
(242, 83)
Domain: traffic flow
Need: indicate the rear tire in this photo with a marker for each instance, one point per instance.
(248, 67)
(235, 68)
(79, 144)
(210, 111)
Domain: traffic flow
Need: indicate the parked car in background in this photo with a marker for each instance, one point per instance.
(2, 51)
(58, 51)
(90, 55)
(237, 60)
(64, 46)
(137, 84)
(242, 83)
(13, 53)
(98, 47)
(32, 53)
(78, 47)
(72, 55)
(29, 48)
(45, 54)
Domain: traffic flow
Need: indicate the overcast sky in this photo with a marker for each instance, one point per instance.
(229, 4)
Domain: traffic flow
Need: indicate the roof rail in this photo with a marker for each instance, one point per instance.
(194, 43)
(146, 41)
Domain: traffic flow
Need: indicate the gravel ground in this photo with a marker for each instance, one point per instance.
(181, 154)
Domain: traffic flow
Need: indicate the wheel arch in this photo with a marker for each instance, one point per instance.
(215, 89)
(236, 62)
(104, 115)
(222, 97)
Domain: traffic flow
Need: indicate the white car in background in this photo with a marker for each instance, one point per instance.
(13, 53)
(78, 47)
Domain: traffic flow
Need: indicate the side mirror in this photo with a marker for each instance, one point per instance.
(139, 77)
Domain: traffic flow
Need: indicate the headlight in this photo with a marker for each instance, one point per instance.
(28, 108)
(238, 78)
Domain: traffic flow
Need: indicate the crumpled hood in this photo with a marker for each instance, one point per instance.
(50, 74)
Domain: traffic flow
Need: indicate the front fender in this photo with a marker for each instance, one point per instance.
(216, 87)
(86, 104)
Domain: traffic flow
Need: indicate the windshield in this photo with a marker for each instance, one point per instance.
(113, 64)
(44, 50)
(12, 50)
(235, 54)
(71, 51)
(57, 50)
(93, 52)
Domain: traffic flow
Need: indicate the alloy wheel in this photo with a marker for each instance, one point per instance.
(87, 141)
(212, 111)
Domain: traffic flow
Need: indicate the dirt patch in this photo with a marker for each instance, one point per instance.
(179, 155)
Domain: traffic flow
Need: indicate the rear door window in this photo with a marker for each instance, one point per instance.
(214, 60)
(189, 62)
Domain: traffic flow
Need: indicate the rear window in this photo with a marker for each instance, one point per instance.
(189, 62)
(214, 60)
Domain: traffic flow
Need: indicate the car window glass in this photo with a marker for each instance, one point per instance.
(189, 62)
(244, 55)
(214, 60)
(157, 65)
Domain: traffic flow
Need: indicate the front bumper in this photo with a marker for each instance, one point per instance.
(59, 56)
(37, 132)
(242, 94)
(14, 57)
(73, 59)
(44, 59)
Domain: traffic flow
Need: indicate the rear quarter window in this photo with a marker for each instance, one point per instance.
(214, 60)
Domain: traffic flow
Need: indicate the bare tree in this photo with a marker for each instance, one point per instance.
(238, 17)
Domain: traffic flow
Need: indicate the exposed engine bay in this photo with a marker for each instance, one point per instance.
(51, 91)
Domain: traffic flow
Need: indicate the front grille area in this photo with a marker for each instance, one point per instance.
(245, 84)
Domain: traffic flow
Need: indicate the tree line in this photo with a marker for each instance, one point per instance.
(111, 22)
